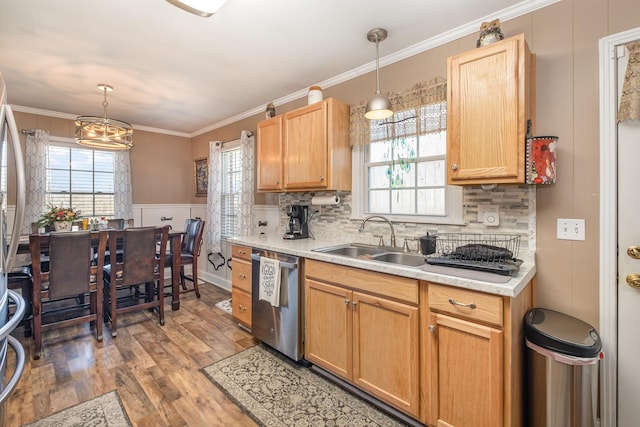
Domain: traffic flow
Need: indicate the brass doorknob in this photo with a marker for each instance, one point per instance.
(633, 280)
(633, 252)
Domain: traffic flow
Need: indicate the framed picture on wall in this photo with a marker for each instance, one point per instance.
(201, 176)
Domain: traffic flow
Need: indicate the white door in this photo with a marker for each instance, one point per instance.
(628, 266)
(619, 230)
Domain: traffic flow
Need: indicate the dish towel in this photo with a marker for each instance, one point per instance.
(270, 281)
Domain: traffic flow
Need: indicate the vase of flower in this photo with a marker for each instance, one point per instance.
(62, 225)
(58, 218)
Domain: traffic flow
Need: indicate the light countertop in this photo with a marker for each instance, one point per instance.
(509, 286)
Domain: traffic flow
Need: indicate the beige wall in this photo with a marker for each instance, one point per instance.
(564, 38)
(161, 165)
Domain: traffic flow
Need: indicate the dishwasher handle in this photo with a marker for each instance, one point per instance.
(283, 264)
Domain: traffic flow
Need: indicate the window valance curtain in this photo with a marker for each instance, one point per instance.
(630, 100)
(422, 94)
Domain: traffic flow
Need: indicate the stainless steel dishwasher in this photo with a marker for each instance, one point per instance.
(280, 327)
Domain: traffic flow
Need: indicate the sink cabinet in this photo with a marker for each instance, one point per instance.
(474, 356)
(241, 285)
(490, 101)
(364, 327)
(305, 149)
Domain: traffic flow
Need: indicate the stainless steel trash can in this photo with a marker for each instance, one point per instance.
(562, 370)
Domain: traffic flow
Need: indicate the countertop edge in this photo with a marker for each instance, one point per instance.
(305, 248)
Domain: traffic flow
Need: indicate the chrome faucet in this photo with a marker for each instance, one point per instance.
(393, 233)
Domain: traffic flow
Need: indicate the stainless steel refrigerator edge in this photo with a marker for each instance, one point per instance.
(279, 327)
(9, 135)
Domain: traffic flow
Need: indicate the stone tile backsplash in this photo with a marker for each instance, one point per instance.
(516, 206)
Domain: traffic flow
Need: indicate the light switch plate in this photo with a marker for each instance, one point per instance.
(570, 229)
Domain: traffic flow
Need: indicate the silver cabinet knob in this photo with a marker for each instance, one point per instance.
(454, 166)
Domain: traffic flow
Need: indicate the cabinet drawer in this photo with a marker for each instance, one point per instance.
(242, 252)
(241, 306)
(459, 302)
(241, 275)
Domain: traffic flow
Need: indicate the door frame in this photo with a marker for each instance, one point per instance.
(609, 220)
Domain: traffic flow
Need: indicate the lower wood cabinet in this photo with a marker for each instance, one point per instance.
(473, 370)
(241, 285)
(370, 339)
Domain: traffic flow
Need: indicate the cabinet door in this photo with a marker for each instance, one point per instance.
(269, 154)
(305, 147)
(486, 113)
(328, 327)
(386, 350)
(466, 373)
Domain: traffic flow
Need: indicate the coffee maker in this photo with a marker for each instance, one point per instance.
(298, 226)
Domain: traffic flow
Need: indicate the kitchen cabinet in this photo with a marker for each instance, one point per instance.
(269, 154)
(305, 149)
(490, 102)
(473, 348)
(241, 285)
(364, 327)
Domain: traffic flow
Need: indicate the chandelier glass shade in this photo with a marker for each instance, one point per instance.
(102, 132)
(378, 107)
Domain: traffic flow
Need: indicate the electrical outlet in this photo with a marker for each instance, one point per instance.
(570, 229)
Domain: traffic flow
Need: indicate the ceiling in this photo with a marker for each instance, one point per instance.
(177, 72)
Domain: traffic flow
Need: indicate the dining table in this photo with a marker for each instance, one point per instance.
(175, 244)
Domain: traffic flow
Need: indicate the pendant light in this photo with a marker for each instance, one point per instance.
(102, 132)
(378, 107)
(204, 8)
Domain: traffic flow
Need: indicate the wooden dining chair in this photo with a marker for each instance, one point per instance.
(189, 251)
(59, 290)
(142, 264)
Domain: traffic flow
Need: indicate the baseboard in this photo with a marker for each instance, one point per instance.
(215, 280)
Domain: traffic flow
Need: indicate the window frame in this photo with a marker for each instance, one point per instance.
(360, 194)
(70, 143)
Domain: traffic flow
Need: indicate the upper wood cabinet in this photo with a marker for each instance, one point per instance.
(489, 103)
(314, 150)
(269, 154)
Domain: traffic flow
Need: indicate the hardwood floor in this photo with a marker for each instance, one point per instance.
(156, 370)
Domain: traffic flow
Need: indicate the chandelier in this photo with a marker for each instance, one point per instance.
(102, 132)
(204, 8)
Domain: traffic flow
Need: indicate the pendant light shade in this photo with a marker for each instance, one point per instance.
(378, 107)
(102, 132)
(204, 8)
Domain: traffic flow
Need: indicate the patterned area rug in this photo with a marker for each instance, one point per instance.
(277, 392)
(102, 411)
(224, 306)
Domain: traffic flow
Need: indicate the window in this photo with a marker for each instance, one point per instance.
(401, 173)
(81, 178)
(230, 197)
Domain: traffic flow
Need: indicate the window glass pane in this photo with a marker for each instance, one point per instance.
(83, 203)
(59, 158)
(380, 152)
(58, 181)
(378, 177)
(103, 182)
(81, 181)
(431, 173)
(379, 201)
(81, 159)
(59, 199)
(431, 201)
(432, 144)
(230, 199)
(403, 202)
(104, 205)
(103, 161)
(403, 174)
(405, 148)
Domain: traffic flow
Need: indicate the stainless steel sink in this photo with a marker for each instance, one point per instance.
(351, 250)
(403, 258)
(375, 253)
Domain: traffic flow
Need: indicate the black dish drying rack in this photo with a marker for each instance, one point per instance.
(496, 253)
